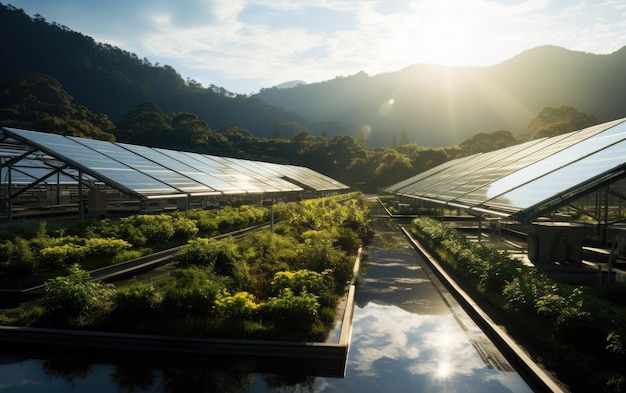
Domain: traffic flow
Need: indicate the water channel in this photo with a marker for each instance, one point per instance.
(408, 335)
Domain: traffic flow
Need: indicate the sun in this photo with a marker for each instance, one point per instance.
(445, 33)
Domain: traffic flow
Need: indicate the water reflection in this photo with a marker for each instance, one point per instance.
(397, 350)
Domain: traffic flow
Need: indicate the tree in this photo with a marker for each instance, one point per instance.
(394, 142)
(482, 142)
(39, 102)
(428, 158)
(189, 131)
(276, 134)
(404, 139)
(391, 167)
(145, 124)
(551, 121)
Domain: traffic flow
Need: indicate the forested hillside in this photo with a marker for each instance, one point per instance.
(440, 106)
(110, 80)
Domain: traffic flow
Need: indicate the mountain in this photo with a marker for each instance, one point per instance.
(440, 106)
(290, 84)
(110, 80)
(435, 105)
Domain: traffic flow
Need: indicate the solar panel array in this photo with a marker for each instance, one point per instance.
(151, 172)
(527, 178)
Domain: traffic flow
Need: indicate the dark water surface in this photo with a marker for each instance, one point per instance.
(408, 335)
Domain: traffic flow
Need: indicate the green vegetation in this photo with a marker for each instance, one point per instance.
(283, 284)
(552, 121)
(577, 331)
(30, 256)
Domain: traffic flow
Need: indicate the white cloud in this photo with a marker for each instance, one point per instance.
(271, 41)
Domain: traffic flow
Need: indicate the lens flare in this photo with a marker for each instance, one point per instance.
(386, 108)
(443, 371)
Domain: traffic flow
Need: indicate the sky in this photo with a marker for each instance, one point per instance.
(244, 45)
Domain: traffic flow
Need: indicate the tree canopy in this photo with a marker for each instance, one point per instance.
(39, 102)
(553, 121)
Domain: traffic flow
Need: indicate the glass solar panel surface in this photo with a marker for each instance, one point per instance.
(312, 179)
(238, 182)
(255, 170)
(565, 178)
(96, 164)
(196, 163)
(404, 186)
(240, 179)
(167, 159)
(154, 172)
(567, 155)
(524, 176)
(141, 164)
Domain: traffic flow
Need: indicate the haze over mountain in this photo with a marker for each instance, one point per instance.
(440, 106)
(435, 105)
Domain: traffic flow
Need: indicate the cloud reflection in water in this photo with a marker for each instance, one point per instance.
(398, 350)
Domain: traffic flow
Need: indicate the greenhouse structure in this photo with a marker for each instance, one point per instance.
(563, 191)
(45, 174)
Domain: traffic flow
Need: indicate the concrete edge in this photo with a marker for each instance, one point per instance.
(536, 377)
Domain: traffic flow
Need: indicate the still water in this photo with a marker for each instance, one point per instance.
(408, 335)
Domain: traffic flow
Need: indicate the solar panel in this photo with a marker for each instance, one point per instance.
(141, 164)
(153, 172)
(261, 172)
(206, 184)
(94, 163)
(196, 165)
(524, 176)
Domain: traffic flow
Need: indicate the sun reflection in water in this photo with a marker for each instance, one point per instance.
(443, 371)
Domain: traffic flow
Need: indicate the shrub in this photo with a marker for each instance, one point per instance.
(138, 299)
(318, 254)
(218, 254)
(301, 281)
(133, 235)
(56, 256)
(522, 292)
(155, 228)
(20, 260)
(74, 294)
(190, 292)
(241, 305)
(184, 228)
(107, 246)
(269, 248)
(291, 314)
(347, 240)
(129, 255)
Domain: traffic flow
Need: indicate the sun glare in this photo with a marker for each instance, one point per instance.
(445, 33)
(443, 371)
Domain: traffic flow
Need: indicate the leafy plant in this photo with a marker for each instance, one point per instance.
(241, 305)
(292, 314)
(74, 294)
(190, 292)
(217, 254)
(137, 299)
